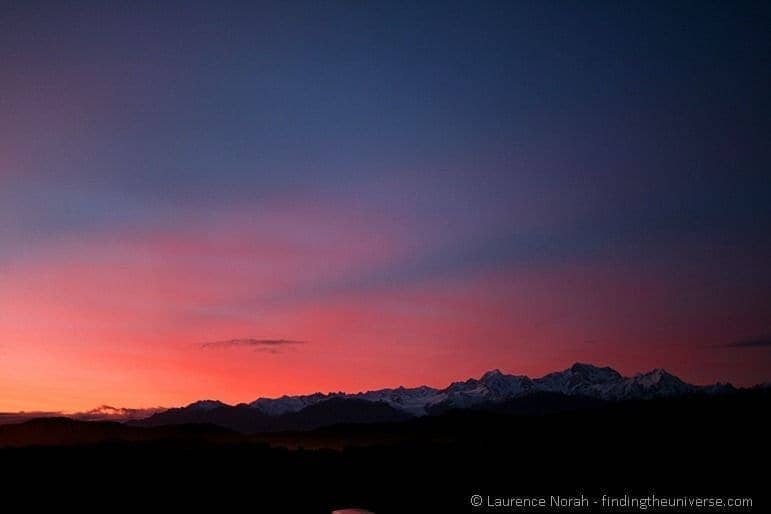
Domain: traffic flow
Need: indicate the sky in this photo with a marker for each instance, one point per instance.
(239, 199)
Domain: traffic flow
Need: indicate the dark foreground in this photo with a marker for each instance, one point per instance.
(706, 447)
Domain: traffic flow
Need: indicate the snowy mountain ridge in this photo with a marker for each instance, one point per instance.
(580, 379)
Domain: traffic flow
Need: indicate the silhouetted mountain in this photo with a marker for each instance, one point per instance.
(579, 386)
(693, 445)
(342, 410)
(240, 418)
(245, 419)
(204, 405)
(284, 404)
(580, 380)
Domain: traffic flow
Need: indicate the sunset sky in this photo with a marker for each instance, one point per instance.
(239, 199)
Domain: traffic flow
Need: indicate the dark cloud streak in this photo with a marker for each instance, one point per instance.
(758, 342)
(263, 345)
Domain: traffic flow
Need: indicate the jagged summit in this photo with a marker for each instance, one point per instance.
(491, 374)
(591, 369)
(206, 405)
(580, 379)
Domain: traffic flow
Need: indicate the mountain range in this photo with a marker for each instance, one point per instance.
(578, 386)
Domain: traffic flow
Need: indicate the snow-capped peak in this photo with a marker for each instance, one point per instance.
(285, 404)
(499, 384)
(657, 382)
(656, 375)
(493, 373)
(595, 373)
(580, 379)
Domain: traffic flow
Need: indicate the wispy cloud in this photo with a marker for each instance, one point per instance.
(260, 345)
(102, 413)
(756, 342)
(108, 413)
